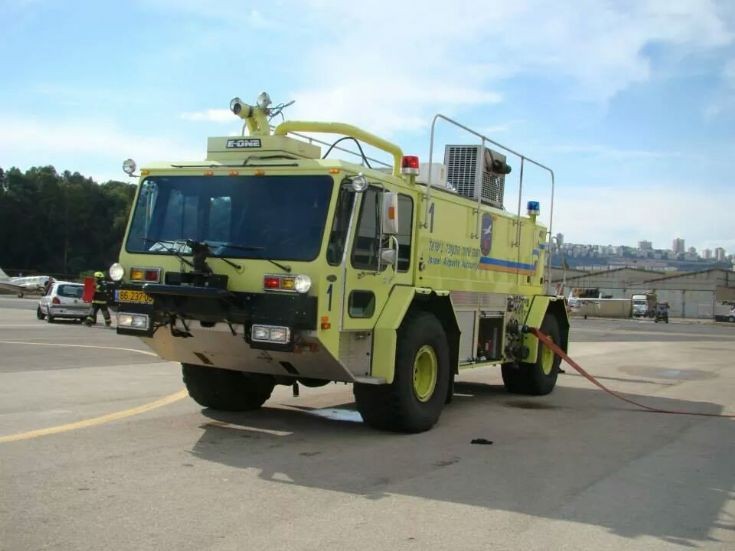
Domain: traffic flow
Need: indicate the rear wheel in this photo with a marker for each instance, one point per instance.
(225, 389)
(49, 317)
(415, 398)
(39, 313)
(537, 378)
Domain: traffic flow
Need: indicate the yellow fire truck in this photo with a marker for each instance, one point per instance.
(269, 263)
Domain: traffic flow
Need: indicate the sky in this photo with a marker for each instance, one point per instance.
(630, 102)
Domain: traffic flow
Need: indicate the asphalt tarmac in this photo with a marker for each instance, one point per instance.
(101, 449)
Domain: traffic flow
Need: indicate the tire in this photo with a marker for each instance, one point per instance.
(539, 378)
(49, 317)
(414, 400)
(225, 389)
(39, 315)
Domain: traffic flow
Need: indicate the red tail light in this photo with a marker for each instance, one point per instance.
(55, 300)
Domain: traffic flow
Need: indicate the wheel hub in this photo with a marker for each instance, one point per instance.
(425, 369)
(547, 359)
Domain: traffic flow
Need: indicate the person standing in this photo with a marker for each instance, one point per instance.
(99, 301)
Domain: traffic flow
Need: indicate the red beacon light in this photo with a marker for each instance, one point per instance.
(410, 165)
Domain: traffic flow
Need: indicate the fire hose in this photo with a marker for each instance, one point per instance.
(559, 352)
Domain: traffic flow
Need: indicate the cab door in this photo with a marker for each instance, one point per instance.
(370, 275)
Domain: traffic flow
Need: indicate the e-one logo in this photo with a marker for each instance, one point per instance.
(242, 144)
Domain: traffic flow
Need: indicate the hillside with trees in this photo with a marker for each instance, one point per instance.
(60, 224)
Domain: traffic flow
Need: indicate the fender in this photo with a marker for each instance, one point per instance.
(540, 305)
(385, 335)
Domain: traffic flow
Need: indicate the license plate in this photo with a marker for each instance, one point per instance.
(137, 297)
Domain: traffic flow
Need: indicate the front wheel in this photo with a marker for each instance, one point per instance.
(414, 400)
(537, 378)
(225, 389)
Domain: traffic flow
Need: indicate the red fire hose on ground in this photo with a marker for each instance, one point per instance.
(559, 352)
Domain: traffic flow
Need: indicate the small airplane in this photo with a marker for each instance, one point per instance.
(23, 285)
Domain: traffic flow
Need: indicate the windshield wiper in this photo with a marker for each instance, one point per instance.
(204, 249)
(171, 250)
(285, 267)
(189, 242)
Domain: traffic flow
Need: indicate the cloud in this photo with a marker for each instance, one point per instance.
(210, 115)
(725, 100)
(400, 106)
(389, 66)
(612, 153)
(625, 213)
(98, 146)
(599, 47)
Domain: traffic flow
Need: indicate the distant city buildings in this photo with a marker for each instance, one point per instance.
(678, 246)
(596, 257)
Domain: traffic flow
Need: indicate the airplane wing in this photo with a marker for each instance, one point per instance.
(12, 287)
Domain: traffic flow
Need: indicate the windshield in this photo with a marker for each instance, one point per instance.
(275, 217)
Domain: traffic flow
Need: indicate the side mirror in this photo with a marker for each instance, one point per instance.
(389, 256)
(390, 213)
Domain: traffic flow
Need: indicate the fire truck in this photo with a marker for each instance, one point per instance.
(271, 263)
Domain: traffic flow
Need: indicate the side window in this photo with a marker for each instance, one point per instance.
(340, 225)
(362, 304)
(366, 247)
(405, 223)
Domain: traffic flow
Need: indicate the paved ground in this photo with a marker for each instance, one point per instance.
(573, 470)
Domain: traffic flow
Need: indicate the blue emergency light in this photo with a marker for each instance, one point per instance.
(534, 208)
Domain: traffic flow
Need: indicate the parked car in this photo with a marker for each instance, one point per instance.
(725, 311)
(63, 300)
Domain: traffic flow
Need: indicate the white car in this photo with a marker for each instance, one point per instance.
(64, 300)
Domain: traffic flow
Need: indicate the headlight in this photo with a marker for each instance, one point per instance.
(116, 272)
(128, 167)
(132, 321)
(302, 283)
(270, 333)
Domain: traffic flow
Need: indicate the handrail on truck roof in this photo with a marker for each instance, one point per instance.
(347, 130)
(483, 140)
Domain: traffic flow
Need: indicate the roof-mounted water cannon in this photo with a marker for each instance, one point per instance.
(495, 164)
(255, 116)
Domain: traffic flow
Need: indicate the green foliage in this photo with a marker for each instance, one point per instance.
(60, 223)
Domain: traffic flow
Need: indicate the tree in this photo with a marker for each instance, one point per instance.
(60, 223)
